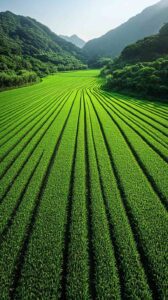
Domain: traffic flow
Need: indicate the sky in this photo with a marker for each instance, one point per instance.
(86, 18)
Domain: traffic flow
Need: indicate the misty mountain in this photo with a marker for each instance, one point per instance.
(147, 23)
(74, 39)
(28, 44)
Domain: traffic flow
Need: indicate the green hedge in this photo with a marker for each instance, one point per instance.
(17, 79)
(146, 79)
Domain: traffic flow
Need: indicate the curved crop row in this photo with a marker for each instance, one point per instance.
(143, 206)
(51, 223)
(19, 163)
(132, 276)
(27, 212)
(155, 128)
(156, 146)
(152, 165)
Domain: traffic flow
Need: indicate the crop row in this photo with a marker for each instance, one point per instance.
(83, 193)
(26, 206)
(152, 129)
(142, 202)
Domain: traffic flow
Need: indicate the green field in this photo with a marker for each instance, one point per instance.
(84, 192)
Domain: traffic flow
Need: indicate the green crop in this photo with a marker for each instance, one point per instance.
(83, 192)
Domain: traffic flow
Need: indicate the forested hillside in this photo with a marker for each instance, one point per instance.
(142, 68)
(26, 44)
(147, 49)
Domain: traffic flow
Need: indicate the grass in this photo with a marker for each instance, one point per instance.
(83, 193)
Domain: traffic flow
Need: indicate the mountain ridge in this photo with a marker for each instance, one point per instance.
(146, 23)
(74, 39)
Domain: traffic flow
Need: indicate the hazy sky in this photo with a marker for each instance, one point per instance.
(86, 18)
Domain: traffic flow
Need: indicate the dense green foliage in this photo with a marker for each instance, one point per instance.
(139, 69)
(12, 79)
(25, 44)
(113, 42)
(145, 79)
(83, 193)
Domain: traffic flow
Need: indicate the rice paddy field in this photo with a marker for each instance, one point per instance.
(83, 192)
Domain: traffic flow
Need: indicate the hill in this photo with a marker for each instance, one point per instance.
(74, 39)
(147, 23)
(142, 68)
(28, 44)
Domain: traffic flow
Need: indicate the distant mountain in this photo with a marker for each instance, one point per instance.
(74, 39)
(28, 44)
(147, 23)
